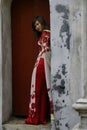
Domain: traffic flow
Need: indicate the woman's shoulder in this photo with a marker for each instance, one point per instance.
(46, 32)
(45, 36)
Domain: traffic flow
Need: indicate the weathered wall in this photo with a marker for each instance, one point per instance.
(66, 60)
(0, 70)
(76, 49)
(6, 61)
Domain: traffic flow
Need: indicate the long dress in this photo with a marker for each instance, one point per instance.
(41, 83)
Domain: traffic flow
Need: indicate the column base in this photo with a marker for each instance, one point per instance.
(81, 107)
(78, 127)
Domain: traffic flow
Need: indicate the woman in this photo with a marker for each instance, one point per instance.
(40, 83)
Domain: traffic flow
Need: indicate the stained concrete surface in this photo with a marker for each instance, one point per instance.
(19, 124)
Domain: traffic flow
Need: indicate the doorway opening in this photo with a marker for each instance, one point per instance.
(24, 50)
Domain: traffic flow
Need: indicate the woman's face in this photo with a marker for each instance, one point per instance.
(38, 26)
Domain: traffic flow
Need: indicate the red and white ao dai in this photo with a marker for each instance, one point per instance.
(41, 83)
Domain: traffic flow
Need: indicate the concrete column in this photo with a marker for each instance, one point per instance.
(6, 60)
(81, 105)
(65, 116)
(0, 69)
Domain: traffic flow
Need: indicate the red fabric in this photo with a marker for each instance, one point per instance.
(41, 85)
(41, 97)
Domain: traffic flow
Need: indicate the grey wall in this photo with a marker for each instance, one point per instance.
(66, 60)
(6, 61)
(76, 23)
(0, 71)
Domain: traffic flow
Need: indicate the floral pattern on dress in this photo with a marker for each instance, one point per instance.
(43, 42)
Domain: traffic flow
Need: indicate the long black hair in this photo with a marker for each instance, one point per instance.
(43, 23)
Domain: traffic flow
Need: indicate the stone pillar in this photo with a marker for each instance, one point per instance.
(0, 70)
(81, 105)
(6, 60)
(65, 117)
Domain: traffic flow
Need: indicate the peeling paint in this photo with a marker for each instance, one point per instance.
(57, 108)
(62, 9)
(57, 75)
(67, 125)
(65, 27)
(63, 83)
(61, 64)
(64, 69)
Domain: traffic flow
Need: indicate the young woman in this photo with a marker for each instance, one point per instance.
(41, 82)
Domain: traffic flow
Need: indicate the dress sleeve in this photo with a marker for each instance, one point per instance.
(46, 40)
(48, 58)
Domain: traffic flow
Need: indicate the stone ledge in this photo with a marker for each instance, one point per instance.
(25, 127)
(19, 124)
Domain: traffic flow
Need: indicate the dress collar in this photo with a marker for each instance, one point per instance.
(46, 30)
